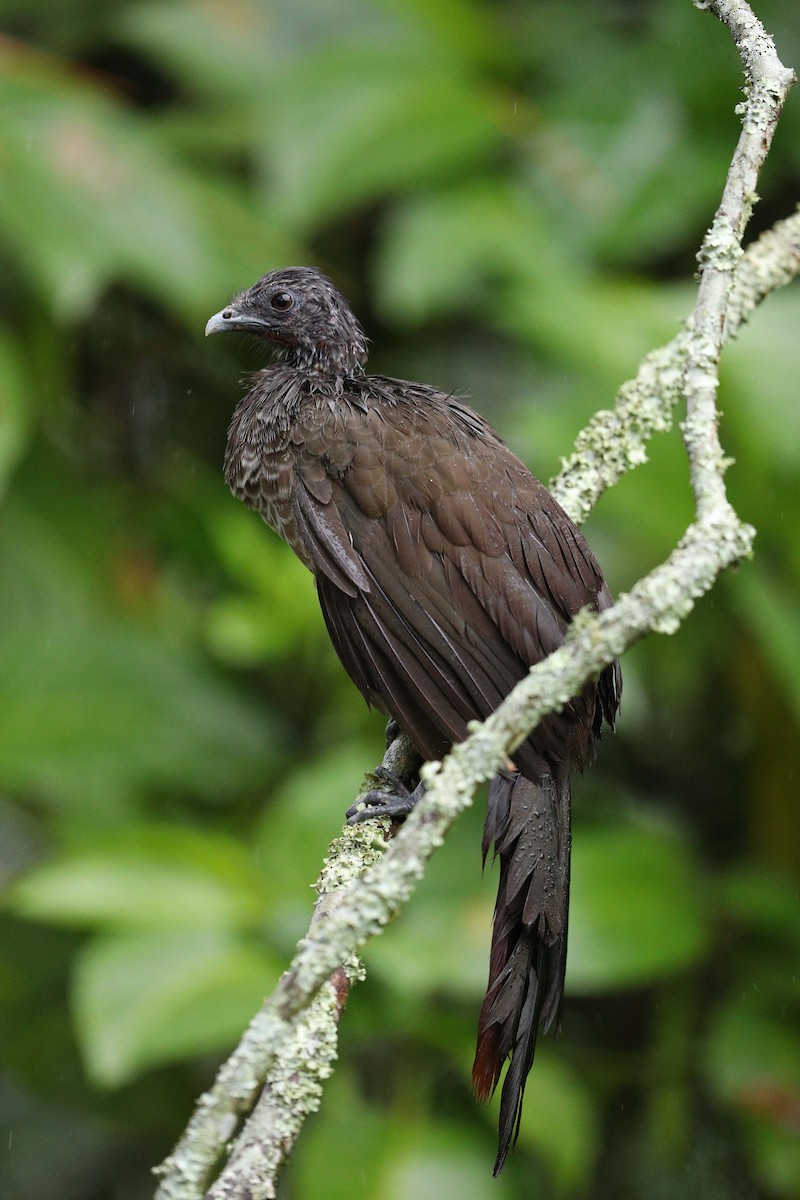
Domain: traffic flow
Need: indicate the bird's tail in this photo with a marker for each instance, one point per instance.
(529, 824)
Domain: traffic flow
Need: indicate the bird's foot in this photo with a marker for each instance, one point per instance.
(396, 803)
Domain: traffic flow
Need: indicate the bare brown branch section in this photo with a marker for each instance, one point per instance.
(290, 1046)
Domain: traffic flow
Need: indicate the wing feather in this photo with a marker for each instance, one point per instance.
(444, 569)
(326, 542)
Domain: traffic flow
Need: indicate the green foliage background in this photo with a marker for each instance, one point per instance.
(512, 193)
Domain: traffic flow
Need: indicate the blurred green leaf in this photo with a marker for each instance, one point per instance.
(339, 136)
(465, 28)
(402, 1153)
(354, 99)
(490, 248)
(156, 876)
(560, 1122)
(440, 249)
(440, 942)
(637, 911)
(207, 46)
(434, 1163)
(143, 999)
(346, 1144)
(95, 704)
(777, 1153)
(15, 416)
(91, 196)
(766, 605)
(753, 1062)
(750, 1050)
(278, 601)
(762, 900)
(306, 812)
(762, 382)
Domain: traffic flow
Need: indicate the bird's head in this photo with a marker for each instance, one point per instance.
(303, 316)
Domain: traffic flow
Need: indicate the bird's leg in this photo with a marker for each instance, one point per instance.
(382, 803)
(393, 731)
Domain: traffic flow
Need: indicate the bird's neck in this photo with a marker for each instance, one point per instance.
(326, 359)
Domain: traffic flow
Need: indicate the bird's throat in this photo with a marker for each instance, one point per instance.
(325, 359)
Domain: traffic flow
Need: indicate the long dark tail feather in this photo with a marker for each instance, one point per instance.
(529, 825)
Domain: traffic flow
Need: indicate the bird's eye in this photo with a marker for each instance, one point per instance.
(282, 301)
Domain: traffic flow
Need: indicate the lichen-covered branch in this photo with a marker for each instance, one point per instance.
(768, 264)
(615, 440)
(290, 1045)
(767, 85)
(292, 1092)
(305, 1048)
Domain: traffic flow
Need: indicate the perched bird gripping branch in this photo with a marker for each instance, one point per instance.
(444, 570)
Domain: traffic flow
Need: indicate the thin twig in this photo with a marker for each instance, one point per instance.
(768, 264)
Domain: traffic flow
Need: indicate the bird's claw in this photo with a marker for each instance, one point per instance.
(396, 803)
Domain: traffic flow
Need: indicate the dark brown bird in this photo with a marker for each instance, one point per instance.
(444, 570)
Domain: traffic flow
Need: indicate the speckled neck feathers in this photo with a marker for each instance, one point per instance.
(333, 358)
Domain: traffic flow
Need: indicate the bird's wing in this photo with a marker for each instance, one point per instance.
(444, 568)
